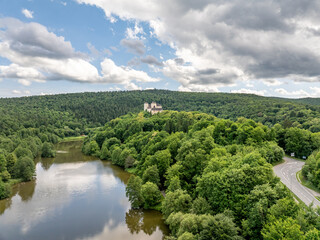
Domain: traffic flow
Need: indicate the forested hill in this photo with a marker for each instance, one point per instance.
(98, 108)
(310, 101)
(216, 174)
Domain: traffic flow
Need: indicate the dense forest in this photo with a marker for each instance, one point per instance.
(25, 132)
(98, 108)
(211, 178)
(223, 142)
(34, 123)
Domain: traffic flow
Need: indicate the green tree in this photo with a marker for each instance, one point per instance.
(284, 208)
(151, 174)
(47, 150)
(23, 152)
(105, 153)
(5, 190)
(162, 159)
(11, 161)
(187, 236)
(200, 206)
(91, 148)
(313, 234)
(133, 191)
(177, 201)
(298, 141)
(24, 168)
(3, 163)
(221, 227)
(174, 184)
(151, 194)
(282, 229)
(129, 162)
(116, 156)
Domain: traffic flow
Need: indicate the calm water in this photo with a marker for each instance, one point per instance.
(76, 197)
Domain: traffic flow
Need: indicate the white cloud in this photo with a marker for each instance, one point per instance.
(24, 82)
(132, 86)
(44, 93)
(135, 33)
(315, 91)
(15, 71)
(194, 78)
(293, 94)
(27, 13)
(244, 40)
(16, 91)
(39, 55)
(250, 85)
(123, 75)
(250, 91)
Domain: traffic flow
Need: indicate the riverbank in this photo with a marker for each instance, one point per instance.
(71, 139)
(73, 197)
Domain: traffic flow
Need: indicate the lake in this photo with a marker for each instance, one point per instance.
(76, 197)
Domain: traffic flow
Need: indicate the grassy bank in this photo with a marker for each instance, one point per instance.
(306, 183)
(70, 139)
(277, 163)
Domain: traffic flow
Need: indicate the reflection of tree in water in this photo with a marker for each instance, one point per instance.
(116, 171)
(26, 190)
(46, 163)
(147, 221)
(133, 220)
(71, 152)
(5, 204)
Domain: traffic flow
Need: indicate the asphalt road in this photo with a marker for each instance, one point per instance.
(287, 173)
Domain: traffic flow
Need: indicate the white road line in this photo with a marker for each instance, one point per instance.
(287, 172)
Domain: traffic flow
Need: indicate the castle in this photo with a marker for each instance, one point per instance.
(153, 107)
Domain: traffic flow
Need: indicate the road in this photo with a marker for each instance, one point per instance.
(287, 173)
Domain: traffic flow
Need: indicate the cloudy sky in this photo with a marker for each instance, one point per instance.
(266, 47)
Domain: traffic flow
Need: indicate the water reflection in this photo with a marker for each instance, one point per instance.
(146, 221)
(26, 190)
(76, 197)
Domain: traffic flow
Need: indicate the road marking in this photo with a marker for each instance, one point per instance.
(287, 173)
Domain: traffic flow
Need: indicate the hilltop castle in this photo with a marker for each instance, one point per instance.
(153, 107)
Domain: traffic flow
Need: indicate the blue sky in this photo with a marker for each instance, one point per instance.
(53, 46)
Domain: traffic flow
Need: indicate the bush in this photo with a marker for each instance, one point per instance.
(24, 168)
(47, 150)
(151, 195)
(5, 190)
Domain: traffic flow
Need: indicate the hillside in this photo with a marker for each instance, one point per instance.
(216, 174)
(310, 101)
(98, 108)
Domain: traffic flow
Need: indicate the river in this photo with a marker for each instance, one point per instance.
(76, 197)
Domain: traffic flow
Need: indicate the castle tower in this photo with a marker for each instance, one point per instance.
(153, 105)
(146, 106)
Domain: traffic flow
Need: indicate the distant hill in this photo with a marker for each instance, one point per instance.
(311, 101)
(99, 107)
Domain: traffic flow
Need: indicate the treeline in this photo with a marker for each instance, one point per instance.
(211, 178)
(98, 108)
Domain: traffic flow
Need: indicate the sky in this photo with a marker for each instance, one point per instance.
(265, 47)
